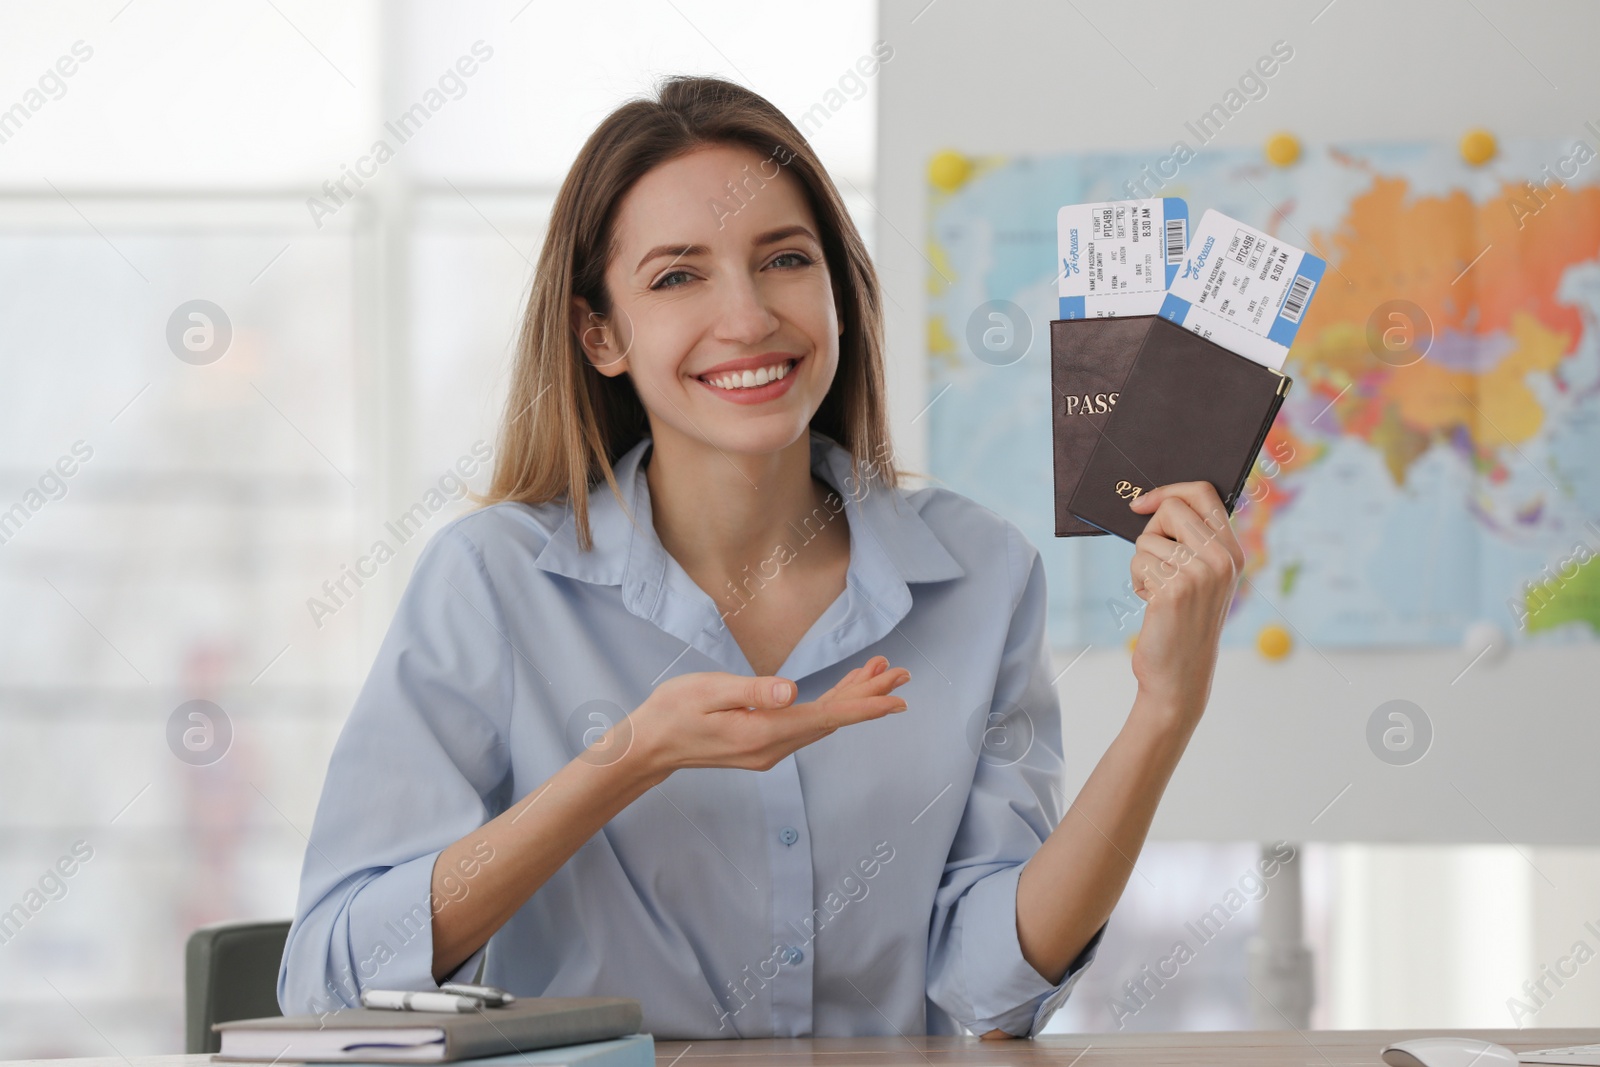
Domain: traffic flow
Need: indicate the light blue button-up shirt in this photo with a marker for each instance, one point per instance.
(865, 885)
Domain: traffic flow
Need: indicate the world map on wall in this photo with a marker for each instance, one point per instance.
(1436, 465)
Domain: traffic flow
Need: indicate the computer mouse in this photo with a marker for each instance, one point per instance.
(1448, 1052)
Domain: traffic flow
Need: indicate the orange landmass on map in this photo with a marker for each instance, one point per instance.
(1487, 271)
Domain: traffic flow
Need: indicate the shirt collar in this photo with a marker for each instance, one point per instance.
(893, 527)
(890, 546)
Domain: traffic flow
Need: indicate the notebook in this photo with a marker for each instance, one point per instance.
(1188, 410)
(373, 1035)
(635, 1050)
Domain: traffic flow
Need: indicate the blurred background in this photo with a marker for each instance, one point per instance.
(224, 376)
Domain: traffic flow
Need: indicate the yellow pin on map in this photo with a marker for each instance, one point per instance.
(1273, 641)
(1478, 147)
(949, 171)
(1283, 149)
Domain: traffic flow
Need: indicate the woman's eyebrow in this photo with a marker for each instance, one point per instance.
(782, 233)
(685, 251)
(676, 251)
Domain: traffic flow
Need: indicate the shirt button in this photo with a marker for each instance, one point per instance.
(788, 835)
(793, 955)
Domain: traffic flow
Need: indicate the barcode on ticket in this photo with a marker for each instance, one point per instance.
(1294, 305)
(1177, 239)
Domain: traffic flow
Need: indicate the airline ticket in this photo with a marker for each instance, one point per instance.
(1118, 257)
(1244, 289)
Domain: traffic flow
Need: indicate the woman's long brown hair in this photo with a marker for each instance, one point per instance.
(564, 423)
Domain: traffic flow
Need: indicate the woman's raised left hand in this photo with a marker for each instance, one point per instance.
(1187, 565)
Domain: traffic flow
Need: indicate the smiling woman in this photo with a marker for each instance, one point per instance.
(671, 764)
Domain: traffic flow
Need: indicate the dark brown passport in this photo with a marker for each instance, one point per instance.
(1089, 359)
(1189, 410)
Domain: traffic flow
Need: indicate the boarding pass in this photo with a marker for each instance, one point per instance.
(1243, 289)
(1118, 257)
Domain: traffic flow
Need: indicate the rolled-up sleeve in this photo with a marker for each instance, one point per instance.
(421, 762)
(976, 970)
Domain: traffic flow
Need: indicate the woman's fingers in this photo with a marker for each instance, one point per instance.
(856, 675)
(878, 676)
(875, 668)
(827, 717)
(873, 681)
(720, 719)
(870, 669)
(722, 689)
(862, 694)
(1193, 514)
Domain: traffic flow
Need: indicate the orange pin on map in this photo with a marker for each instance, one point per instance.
(949, 171)
(1273, 641)
(1478, 147)
(1283, 149)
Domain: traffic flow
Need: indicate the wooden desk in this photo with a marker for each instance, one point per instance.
(1315, 1048)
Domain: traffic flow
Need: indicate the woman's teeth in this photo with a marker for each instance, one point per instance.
(750, 379)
